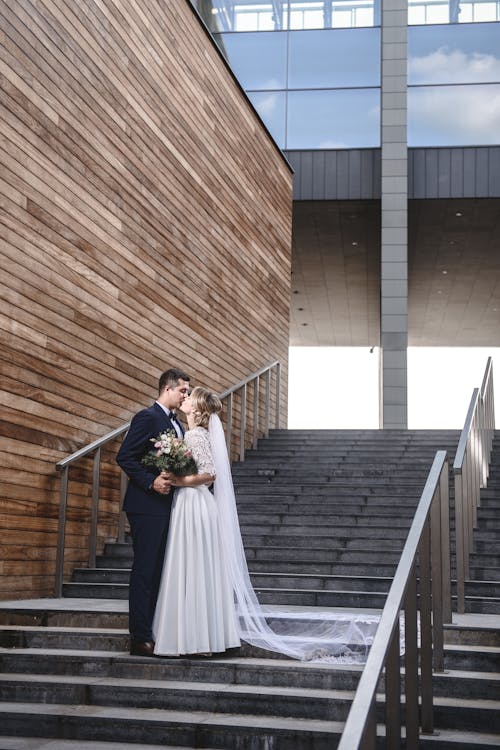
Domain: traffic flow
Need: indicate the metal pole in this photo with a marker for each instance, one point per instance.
(459, 542)
(229, 424)
(121, 517)
(369, 741)
(426, 632)
(255, 413)
(437, 584)
(61, 532)
(243, 422)
(393, 694)
(267, 403)
(411, 663)
(278, 395)
(95, 508)
(444, 504)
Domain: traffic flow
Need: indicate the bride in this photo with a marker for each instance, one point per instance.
(195, 611)
(206, 602)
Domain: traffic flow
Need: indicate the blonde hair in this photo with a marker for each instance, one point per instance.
(204, 404)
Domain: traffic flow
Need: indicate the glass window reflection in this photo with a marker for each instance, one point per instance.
(452, 11)
(276, 15)
(271, 107)
(454, 115)
(321, 59)
(454, 54)
(344, 118)
(257, 60)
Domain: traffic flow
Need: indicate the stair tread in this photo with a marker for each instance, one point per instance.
(129, 713)
(178, 685)
(48, 743)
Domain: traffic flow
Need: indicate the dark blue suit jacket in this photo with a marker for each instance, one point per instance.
(146, 424)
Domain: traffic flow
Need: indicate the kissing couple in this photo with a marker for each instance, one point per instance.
(181, 598)
(190, 591)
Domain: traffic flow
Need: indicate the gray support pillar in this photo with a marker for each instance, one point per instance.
(394, 243)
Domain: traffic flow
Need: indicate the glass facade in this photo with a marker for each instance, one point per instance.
(313, 89)
(317, 86)
(454, 85)
(279, 15)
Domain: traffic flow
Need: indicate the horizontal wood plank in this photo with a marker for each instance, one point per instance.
(145, 219)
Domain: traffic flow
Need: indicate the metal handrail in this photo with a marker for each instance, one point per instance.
(428, 540)
(96, 446)
(471, 471)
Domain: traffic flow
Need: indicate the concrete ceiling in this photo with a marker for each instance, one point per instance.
(454, 273)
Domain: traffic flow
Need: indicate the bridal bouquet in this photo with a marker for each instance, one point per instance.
(170, 454)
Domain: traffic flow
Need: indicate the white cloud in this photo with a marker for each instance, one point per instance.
(455, 115)
(454, 66)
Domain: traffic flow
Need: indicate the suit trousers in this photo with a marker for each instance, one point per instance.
(149, 539)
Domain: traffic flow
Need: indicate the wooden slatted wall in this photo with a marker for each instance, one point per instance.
(145, 221)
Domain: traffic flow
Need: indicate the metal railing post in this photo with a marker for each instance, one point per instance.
(96, 470)
(393, 694)
(243, 421)
(61, 532)
(255, 413)
(437, 584)
(460, 541)
(278, 395)
(426, 692)
(229, 424)
(121, 517)
(411, 663)
(444, 511)
(267, 404)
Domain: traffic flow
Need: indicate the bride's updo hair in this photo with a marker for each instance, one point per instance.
(204, 404)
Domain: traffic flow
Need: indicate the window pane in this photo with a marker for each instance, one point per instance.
(327, 14)
(333, 119)
(454, 115)
(452, 11)
(454, 53)
(258, 60)
(271, 107)
(243, 15)
(321, 59)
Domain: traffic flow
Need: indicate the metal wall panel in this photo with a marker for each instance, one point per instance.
(354, 174)
(346, 174)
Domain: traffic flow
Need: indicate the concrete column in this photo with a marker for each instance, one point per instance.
(394, 241)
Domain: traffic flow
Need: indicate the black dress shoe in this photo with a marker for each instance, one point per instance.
(138, 648)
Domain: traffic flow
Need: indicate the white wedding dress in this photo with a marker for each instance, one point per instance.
(195, 611)
(207, 602)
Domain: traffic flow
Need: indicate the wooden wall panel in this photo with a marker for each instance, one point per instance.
(145, 221)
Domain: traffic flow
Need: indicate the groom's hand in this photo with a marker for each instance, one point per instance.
(162, 483)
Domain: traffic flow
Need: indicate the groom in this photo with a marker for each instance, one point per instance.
(148, 503)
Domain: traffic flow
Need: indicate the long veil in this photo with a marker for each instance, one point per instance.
(312, 634)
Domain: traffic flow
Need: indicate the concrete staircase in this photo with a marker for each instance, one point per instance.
(324, 516)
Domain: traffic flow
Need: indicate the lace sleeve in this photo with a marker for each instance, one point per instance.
(198, 442)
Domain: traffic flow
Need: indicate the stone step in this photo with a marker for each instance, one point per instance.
(44, 743)
(195, 697)
(305, 703)
(452, 739)
(285, 554)
(93, 651)
(291, 596)
(339, 532)
(482, 605)
(478, 573)
(279, 580)
(490, 589)
(224, 731)
(323, 542)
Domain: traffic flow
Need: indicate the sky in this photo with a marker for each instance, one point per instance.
(337, 387)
